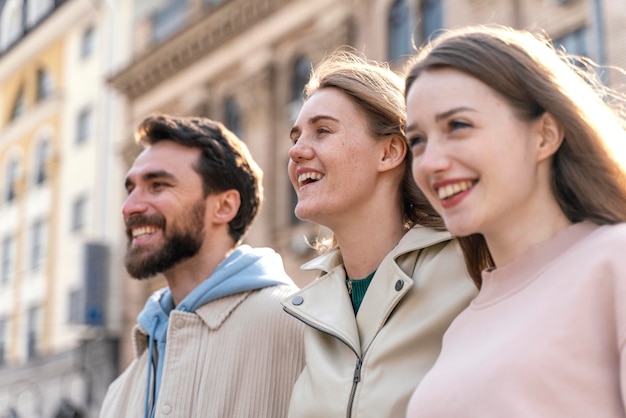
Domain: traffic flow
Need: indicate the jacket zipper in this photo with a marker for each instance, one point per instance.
(359, 361)
(355, 383)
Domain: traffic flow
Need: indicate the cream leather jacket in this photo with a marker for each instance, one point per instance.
(368, 366)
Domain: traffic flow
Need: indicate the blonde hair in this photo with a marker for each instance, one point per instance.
(379, 93)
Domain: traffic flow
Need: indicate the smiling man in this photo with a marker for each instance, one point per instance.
(214, 342)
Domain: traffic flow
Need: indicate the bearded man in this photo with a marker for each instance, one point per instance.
(214, 342)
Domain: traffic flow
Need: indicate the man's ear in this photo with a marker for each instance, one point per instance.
(225, 206)
(394, 151)
(551, 135)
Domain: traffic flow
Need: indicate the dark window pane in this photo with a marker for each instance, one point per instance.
(399, 30)
(432, 18)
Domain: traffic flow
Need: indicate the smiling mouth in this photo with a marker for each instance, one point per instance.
(451, 190)
(307, 178)
(143, 231)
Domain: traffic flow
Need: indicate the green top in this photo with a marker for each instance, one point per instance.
(357, 289)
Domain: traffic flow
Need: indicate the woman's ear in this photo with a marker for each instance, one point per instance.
(551, 135)
(394, 151)
(226, 206)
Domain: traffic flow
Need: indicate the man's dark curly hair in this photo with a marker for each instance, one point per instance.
(225, 162)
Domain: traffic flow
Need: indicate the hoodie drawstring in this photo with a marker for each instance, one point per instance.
(150, 382)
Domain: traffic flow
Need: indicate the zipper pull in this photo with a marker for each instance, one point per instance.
(357, 370)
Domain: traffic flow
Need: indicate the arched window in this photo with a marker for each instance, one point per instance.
(11, 23)
(87, 42)
(37, 10)
(7, 262)
(399, 30)
(38, 241)
(42, 155)
(232, 116)
(11, 180)
(44, 84)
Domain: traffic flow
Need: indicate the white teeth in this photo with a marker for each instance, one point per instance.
(452, 189)
(305, 177)
(143, 230)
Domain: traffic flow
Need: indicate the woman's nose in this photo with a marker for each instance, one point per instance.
(434, 158)
(301, 150)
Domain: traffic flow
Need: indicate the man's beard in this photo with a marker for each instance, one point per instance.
(181, 243)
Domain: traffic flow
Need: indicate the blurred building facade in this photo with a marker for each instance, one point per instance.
(77, 76)
(59, 172)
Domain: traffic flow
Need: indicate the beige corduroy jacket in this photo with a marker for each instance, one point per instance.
(368, 366)
(237, 356)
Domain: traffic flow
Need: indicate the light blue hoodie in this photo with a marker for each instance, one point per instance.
(245, 269)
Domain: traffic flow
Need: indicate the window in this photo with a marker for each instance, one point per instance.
(44, 84)
(574, 42)
(32, 332)
(3, 340)
(301, 73)
(7, 268)
(399, 25)
(11, 180)
(19, 106)
(79, 209)
(168, 20)
(38, 244)
(83, 125)
(232, 116)
(87, 42)
(432, 18)
(299, 77)
(41, 161)
(37, 10)
(75, 303)
(12, 24)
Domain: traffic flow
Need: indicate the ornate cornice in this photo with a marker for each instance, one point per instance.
(192, 44)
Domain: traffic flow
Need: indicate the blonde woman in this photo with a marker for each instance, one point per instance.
(394, 278)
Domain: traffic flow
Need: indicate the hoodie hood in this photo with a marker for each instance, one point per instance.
(243, 270)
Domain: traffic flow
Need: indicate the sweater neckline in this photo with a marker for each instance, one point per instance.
(503, 282)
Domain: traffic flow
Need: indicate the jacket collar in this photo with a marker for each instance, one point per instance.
(213, 314)
(392, 281)
(216, 312)
(416, 238)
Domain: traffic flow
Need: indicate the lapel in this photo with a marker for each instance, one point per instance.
(325, 304)
(389, 285)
